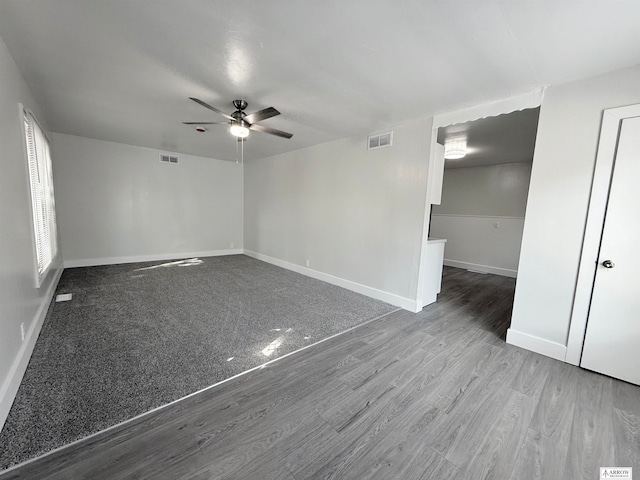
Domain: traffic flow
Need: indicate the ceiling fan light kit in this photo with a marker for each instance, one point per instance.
(239, 130)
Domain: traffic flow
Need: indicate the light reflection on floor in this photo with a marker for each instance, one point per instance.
(272, 347)
(178, 263)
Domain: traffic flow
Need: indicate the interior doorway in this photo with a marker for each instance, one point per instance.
(484, 191)
(436, 164)
(482, 206)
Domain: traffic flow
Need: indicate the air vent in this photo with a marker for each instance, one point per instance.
(381, 140)
(168, 158)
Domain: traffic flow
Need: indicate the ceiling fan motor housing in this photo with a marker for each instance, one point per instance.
(238, 115)
(240, 104)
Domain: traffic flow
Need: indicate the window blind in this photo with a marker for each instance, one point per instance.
(42, 199)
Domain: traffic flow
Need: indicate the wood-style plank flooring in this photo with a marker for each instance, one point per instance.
(434, 395)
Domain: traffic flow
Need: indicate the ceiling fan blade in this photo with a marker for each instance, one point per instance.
(206, 105)
(204, 123)
(272, 131)
(261, 115)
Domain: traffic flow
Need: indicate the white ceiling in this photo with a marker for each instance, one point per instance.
(121, 70)
(506, 138)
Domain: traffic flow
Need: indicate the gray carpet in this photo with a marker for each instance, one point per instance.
(138, 336)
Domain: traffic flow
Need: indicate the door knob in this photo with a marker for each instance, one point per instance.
(608, 264)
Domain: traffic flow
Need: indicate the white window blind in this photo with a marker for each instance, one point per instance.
(42, 201)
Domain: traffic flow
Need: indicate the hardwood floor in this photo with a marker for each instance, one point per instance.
(434, 395)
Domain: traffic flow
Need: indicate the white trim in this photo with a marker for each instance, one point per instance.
(93, 262)
(430, 197)
(611, 120)
(423, 275)
(10, 386)
(436, 174)
(505, 272)
(536, 344)
(529, 161)
(475, 216)
(162, 407)
(507, 105)
(393, 299)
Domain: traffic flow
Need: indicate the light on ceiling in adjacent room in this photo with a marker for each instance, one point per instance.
(455, 148)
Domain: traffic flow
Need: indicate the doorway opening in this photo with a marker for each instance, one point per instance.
(484, 196)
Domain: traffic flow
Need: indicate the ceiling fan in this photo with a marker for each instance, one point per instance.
(240, 122)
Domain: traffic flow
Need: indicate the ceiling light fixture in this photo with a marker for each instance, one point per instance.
(455, 148)
(239, 130)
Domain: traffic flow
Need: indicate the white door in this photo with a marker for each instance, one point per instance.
(612, 342)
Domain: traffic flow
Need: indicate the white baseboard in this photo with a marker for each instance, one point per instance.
(393, 299)
(10, 387)
(92, 262)
(505, 272)
(537, 344)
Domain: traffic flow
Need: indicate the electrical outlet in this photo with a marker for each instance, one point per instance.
(22, 330)
(496, 224)
(231, 245)
(307, 262)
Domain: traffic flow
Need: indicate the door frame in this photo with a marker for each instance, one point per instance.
(493, 109)
(598, 199)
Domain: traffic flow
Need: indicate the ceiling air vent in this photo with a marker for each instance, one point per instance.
(381, 140)
(168, 158)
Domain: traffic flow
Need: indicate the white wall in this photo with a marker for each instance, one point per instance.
(474, 243)
(482, 216)
(21, 304)
(493, 190)
(118, 203)
(561, 177)
(355, 214)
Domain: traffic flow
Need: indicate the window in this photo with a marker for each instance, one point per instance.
(42, 201)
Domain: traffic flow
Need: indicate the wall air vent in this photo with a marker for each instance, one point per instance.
(168, 158)
(380, 141)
